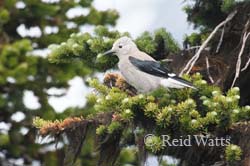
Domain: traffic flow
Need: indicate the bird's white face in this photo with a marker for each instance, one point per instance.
(123, 46)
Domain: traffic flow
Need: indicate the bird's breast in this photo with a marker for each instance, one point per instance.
(142, 81)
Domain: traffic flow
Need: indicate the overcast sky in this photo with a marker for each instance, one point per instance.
(137, 16)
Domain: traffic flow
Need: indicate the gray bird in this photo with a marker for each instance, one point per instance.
(142, 71)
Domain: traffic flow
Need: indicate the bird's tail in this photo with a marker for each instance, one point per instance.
(177, 82)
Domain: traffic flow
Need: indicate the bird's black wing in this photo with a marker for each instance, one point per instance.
(157, 69)
(150, 67)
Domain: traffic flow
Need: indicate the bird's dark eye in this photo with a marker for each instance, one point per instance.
(120, 46)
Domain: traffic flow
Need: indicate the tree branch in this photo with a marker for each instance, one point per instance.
(238, 64)
(246, 65)
(208, 71)
(221, 39)
(192, 61)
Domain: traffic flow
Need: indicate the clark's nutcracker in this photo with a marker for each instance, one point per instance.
(142, 71)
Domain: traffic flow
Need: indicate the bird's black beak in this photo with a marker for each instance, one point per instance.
(109, 52)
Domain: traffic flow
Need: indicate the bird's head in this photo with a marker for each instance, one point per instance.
(122, 47)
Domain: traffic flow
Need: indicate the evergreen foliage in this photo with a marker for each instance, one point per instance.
(208, 14)
(170, 112)
(87, 47)
(22, 70)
